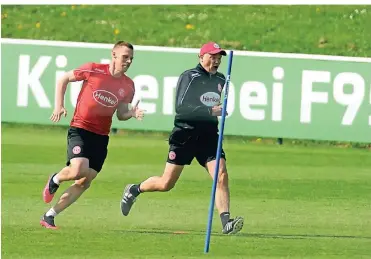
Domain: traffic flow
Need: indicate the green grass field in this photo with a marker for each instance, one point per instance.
(299, 202)
(333, 30)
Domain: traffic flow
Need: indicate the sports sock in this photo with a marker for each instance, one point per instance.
(51, 212)
(224, 217)
(135, 189)
(55, 179)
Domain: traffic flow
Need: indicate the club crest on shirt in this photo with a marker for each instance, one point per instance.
(121, 92)
(220, 87)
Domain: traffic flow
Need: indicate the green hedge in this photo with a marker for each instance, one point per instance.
(333, 30)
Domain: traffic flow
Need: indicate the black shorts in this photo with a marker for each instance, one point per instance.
(84, 143)
(184, 145)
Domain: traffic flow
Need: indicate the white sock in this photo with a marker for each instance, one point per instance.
(51, 212)
(55, 179)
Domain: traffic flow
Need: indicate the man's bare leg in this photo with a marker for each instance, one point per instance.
(83, 175)
(165, 182)
(74, 192)
(222, 198)
(162, 183)
(78, 169)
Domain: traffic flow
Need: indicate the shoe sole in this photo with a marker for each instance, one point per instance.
(46, 225)
(47, 196)
(237, 226)
(127, 188)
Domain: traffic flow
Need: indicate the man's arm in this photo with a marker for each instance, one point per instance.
(62, 86)
(79, 74)
(123, 112)
(183, 106)
(62, 83)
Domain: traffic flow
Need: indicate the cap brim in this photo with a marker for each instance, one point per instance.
(221, 51)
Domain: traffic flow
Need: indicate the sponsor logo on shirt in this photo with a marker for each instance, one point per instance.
(210, 99)
(105, 98)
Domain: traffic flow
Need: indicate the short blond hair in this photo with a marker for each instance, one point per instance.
(122, 43)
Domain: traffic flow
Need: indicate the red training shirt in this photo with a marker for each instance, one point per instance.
(99, 96)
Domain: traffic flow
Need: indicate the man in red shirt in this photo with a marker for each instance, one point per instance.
(105, 90)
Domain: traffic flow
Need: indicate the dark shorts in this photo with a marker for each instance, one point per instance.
(84, 143)
(185, 145)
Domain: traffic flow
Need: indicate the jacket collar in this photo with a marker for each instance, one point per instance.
(202, 69)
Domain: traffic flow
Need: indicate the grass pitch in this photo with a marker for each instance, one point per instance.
(298, 202)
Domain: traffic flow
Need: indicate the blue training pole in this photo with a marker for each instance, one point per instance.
(218, 154)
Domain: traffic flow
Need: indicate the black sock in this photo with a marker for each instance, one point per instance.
(224, 216)
(135, 189)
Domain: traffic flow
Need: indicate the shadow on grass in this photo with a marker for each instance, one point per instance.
(240, 235)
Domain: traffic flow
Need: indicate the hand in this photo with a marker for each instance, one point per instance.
(57, 113)
(217, 110)
(136, 112)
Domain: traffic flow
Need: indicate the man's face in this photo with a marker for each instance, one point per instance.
(211, 62)
(122, 57)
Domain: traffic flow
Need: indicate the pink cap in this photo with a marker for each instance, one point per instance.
(212, 48)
